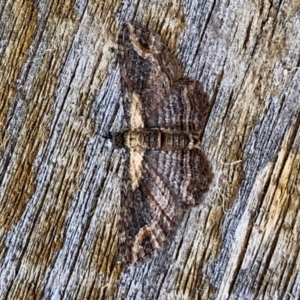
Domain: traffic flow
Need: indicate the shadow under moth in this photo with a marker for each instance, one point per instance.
(165, 170)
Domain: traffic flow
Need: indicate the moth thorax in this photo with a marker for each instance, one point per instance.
(134, 139)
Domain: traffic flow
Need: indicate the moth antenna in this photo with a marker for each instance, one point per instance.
(107, 136)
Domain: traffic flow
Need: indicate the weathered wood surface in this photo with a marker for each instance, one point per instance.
(59, 200)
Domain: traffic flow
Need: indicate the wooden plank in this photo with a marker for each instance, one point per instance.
(59, 196)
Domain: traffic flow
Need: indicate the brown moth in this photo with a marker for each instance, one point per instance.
(166, 171)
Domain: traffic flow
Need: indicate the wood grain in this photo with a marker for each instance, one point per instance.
(59, 206)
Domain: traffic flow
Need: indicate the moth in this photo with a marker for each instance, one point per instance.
(165, 171)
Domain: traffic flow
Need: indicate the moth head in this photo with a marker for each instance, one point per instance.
(118, 140)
